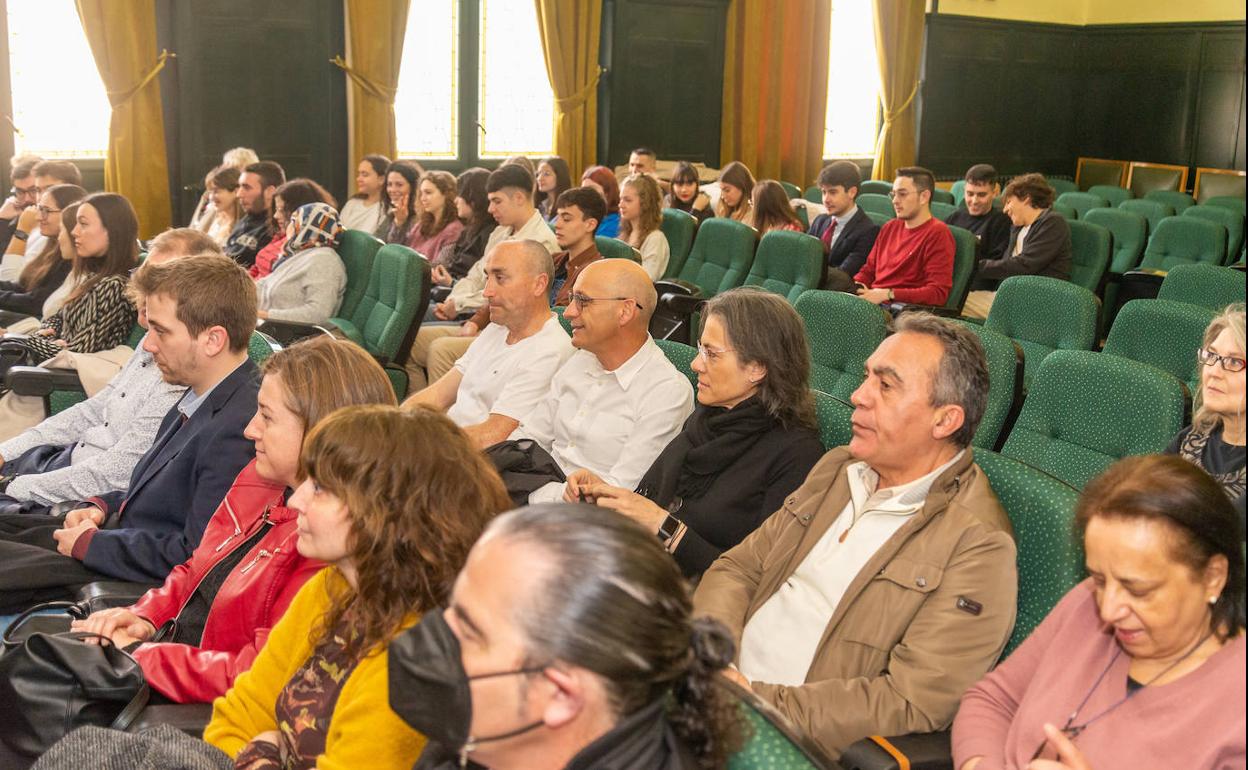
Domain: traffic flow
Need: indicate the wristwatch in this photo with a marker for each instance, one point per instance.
(668, 529)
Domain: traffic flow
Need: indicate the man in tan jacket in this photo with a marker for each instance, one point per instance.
(886, 584)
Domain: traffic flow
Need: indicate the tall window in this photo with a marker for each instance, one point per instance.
(513, 110)
(852, 123)
(48, 58)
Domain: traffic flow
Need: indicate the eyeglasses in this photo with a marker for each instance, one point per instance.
(583, 301)
(711, 355)
(1229, 363)
(20, 192)
(45, 211)
(895, 194)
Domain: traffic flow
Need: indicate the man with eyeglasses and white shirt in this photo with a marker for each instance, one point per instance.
(912, 259)
(617, 401)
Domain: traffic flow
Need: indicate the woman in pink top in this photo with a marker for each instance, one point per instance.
(1142, 665)
(439, 224)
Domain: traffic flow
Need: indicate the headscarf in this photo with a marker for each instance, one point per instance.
(316, 225)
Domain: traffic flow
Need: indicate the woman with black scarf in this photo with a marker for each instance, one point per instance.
(750, 442)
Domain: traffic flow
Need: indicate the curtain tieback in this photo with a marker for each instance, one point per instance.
(569, 103)
(118, 98)
(889, 117)
(370, 86)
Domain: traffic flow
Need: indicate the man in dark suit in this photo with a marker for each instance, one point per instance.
(846, 231)
(200, 313)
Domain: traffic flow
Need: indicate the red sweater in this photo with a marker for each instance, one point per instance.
(916, 264)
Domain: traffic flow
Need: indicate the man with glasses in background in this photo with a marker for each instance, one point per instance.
(28, 241)
(21, 197)
(912, 259)
(617, 401)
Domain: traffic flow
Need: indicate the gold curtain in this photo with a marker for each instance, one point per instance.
(123, 42)
(570, 30)
(375, 33)
(776, 87)
(898, 45)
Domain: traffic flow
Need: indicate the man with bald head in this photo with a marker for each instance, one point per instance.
(508, 368)
(617, 401)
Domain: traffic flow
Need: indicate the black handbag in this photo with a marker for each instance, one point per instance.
(51, 683)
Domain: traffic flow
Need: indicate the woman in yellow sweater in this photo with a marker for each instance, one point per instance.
(394, 517)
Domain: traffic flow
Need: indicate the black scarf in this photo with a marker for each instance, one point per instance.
(713, 438)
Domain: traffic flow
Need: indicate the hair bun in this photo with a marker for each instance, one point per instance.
(712, 645)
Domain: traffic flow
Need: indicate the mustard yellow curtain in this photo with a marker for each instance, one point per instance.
(898, 45)
(570, 31)
(776, 87)
(122, 36)
(375, 33)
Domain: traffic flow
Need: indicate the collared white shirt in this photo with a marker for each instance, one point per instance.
(192, 401)
(613, 423)
(779, 642)
(468, 291)
(841, 221)
(510, 380)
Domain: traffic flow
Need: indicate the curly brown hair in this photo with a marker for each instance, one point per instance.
(650, 196)
(419, 494)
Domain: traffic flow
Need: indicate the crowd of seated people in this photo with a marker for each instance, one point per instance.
(337, 572)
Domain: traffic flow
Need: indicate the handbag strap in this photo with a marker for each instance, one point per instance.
(30, 612)
(133, 708)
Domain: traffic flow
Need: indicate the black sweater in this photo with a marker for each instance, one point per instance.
(16, 299)
(1046, 251)
(741, 498)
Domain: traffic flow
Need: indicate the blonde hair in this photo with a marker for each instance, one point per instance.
(651, 215)
(239, 157)
(1232, 317)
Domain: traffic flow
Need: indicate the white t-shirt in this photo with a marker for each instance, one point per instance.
(468, 291)
(655, 254)
(358, 215)
(508, 379)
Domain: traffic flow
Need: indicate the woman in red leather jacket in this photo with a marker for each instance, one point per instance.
(216, 609)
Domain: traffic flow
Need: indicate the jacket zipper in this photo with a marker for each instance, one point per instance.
(237, 529)
(264, 554)
(264, 519)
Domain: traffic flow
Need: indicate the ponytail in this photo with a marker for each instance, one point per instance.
(704, 714)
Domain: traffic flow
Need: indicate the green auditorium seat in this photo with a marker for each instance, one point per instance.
(1184, 241)
(1144, 178)
(720, 259)
(943, 211)
(791, 190)
(1111, 193)
(802, 217)
(813, 194)
(878, 219)
(943, 196)
(681, 356)
(1090, 249)
(787, 263)
(958, 191)
(772, 743)
(1094, 171)
(1205, 285)
(1065, 211)
(1179, 200)
(834, 416)
(565, 323)
(1227, 202)
(875, 187)
(1050, 557)
(876, 203)
(1082, 202)
(1086, 410)
(1043, 315)
(1062, 186)
(1005, 384)
(614, 248)
(357, 249)
(1162, 333)
(1152, 211)
(843, 331)
(1233, 222)
(1128, 230)
(965, 246)
(679, 228)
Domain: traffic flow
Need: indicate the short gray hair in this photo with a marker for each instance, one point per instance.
(962, 376)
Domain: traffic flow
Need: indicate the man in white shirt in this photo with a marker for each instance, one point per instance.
(617, 401)
(510, 190)
(508, 368)
(886, 584)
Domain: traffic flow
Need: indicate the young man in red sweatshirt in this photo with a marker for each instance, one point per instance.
(912, 260)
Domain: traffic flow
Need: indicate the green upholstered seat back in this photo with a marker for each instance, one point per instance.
(681, 356)
(357, 249)
(1082, 202)
(1184, 241)
(1050, 557)
(1232, 221)
(943, 211)
(1181, 201)
(833, 415)
(1226, 201)
(943, 196)
(787, 263)
(1152, 211)
(1086, 410)
(843, 331)
(1090, 248)
(397, 290)
(721, 256)
(1042, 315)
(875, 187)
(1112, 193)
(1203, 284)
(1129, 231)
(678, 227)
(614, 248)
(876, 203)
(791, 190)
(964, 245)
(1005, 382)
(1162, 333)
(772, 744)
(958, 191)
(1061, 186)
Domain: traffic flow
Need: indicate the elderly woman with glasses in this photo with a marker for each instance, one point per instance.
(1142, 664)
(1215, 439)
(750, 442)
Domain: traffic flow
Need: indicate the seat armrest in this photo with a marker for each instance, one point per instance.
(897, 308)
(38, 381)
(918, 751)
(682, 304)
(438, 293)
(288, 332)
(190, 718)
(103, 594)
(1139, 284)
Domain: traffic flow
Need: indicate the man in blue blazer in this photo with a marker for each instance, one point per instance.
(200, 313)
(846, 231)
